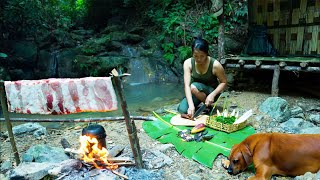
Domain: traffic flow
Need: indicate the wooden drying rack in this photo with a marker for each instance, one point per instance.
(130, 125)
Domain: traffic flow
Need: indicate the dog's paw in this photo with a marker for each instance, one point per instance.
(225, 163)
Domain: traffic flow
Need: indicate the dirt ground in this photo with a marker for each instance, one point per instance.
(117, 135)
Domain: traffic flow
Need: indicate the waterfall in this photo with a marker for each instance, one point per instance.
(137, 71)
(54, 71)
(137, 67)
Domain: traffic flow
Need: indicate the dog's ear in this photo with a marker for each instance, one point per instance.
(247, 156)
(234, 147)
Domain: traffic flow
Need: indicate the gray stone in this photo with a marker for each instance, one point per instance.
(44, 153)
(5, 166)
(259, 118)
(318, 175)
(307, 175)
(296, 112)
(31, 170)
(315, 118)
(102, 174)
(164, 147)
(156, 159)
(313, 130)
(3, 177)
(179, 175)
(277, 108)
(194, 177)
(134, 173)
(29, 128)
(292, 122)
(307, 124)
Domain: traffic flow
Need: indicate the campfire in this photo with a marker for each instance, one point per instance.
(90, 153)
(94, 154)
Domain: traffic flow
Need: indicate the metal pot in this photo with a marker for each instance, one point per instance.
(96, 131)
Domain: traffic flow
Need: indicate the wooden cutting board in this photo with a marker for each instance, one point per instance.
(177, 120)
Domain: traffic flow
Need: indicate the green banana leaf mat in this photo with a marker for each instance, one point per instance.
(202, 152)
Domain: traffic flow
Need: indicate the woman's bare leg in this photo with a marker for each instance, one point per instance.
(199, 95)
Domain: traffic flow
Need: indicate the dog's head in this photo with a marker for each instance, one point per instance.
(240, 158)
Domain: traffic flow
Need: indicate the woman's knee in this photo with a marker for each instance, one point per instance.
(194, 89)
(182, 110)
(183, 106)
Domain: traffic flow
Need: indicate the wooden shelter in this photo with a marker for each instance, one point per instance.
(293, 27)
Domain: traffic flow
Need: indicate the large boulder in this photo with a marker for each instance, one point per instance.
(44, 153)
(277, 108)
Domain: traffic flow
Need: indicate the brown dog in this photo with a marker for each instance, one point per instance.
(276, 153)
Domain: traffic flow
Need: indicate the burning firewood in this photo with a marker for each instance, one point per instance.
(111, 159)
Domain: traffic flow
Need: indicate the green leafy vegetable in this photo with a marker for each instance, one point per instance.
(226, 120)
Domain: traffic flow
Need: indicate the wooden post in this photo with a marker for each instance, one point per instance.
(131, 128)
(275, 81)
(9, 125)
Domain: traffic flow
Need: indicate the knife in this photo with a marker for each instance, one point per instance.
(200, 110)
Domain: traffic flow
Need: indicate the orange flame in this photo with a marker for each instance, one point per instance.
(91, 153)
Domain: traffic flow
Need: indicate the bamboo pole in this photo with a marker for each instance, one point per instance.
(271, 67)
(118, 118)
(8, 123)
(131, 128)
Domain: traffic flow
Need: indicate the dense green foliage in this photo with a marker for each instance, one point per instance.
(180, 21)
(176, 22)
(31, 17)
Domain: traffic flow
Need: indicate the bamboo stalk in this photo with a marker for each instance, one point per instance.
(118, 118)
(131, 128)
(271, 67)
(8, 123)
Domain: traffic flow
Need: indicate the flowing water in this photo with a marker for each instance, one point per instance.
(141, 99)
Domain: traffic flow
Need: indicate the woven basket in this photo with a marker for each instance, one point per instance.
(212, 123)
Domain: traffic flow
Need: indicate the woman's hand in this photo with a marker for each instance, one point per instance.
(210, 99)
(191, 110)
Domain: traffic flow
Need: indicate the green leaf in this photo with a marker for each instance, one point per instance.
(3, 55)
(202, 152)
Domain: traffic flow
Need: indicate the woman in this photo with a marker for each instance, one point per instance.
(204, 78)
